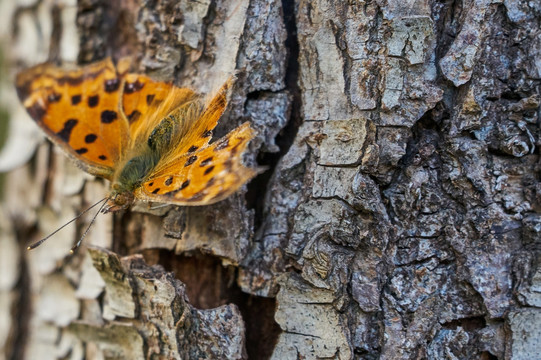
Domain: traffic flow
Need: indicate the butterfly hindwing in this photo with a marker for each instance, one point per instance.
(204, 176)
(78, 110)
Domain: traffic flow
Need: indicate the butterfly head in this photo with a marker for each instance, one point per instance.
(119, 201)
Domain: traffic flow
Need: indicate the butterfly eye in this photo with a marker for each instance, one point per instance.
(123, 199)
(119, 199)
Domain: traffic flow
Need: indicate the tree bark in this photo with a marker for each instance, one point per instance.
(399, 216)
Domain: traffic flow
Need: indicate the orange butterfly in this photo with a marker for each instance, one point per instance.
(149, 138)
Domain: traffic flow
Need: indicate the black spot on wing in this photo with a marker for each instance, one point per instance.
(206, 161)
(111, 85)
(207, 133)
(108, 116)
(54, 97)
(81, 151)
(93, 101)
(151, 184)
(130, 88)
(134, 116)
(211, 182)
(150, 98)
(102, 157)
(209, 170)
(90, 138)
(192, 148)
(65, 133)
(190, 160)
(75, 99)
(184, 185)
(156, 191)
(169, 181)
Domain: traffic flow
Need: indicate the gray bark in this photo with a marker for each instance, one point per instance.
(399, 217)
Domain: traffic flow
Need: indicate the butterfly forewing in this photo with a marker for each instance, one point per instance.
(78, 110)
(204, 176)
(200, 128)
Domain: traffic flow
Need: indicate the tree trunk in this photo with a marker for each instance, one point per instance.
(399, 216)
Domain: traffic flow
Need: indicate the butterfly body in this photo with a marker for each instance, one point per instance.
(150, 139)
(144, 159)
(136, 169)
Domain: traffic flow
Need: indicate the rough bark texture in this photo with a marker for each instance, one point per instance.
(399, 217)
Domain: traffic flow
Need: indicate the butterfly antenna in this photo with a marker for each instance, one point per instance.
(38, 243)
(88, 228)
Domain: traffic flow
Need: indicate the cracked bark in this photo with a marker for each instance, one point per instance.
(399, 217)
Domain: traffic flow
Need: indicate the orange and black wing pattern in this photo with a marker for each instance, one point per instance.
(78, 110)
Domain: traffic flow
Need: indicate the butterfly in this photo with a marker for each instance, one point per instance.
(150, 139)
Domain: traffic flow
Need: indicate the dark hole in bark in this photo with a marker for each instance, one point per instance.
(209, 284)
